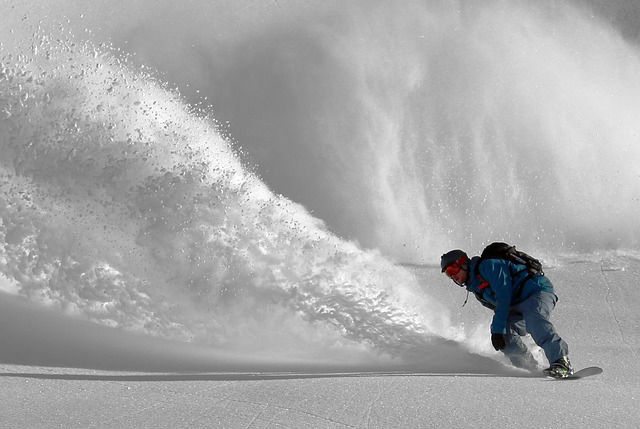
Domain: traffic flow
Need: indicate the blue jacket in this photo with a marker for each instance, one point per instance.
(501, 292)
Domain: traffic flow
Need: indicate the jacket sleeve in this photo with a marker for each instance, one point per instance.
(497, 273)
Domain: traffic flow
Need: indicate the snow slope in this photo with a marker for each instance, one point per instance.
(595, 314)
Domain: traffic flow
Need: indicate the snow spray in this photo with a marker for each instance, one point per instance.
(122, 205)
(433, 126)
(423, 126)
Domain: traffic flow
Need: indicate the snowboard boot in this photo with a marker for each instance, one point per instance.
(560, 368)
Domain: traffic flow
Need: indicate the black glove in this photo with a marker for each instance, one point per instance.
(498, 341)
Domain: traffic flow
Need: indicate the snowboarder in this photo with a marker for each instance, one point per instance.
(522, 303)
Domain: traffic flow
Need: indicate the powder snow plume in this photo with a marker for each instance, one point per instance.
(409, 128)
(122, 205)
(418, 126)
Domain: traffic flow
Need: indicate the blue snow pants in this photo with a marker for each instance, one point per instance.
(531, 316)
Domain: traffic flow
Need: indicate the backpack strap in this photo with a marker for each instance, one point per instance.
(483, 285)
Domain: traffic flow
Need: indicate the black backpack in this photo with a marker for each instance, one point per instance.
(505, 251)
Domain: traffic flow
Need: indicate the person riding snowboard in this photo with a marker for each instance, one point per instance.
(522, 303)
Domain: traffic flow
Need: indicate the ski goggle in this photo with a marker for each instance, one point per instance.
(453, 269)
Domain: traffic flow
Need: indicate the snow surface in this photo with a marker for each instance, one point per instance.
(596, 314)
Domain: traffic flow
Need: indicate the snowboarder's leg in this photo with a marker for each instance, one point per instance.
(536, 312)
(517, 352)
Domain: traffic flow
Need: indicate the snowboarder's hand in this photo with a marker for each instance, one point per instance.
(498, 341)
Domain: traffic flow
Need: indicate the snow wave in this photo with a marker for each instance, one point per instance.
(125, 206)
(411, 128)
(419, 126)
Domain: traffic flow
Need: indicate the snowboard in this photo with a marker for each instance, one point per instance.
(585, 372)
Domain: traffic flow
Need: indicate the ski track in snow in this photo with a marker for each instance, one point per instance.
(614, 315)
